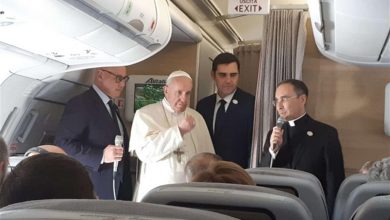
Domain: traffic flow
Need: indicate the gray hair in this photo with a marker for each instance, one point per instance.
(380, 170)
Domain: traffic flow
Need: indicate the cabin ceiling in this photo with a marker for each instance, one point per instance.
(231, 32)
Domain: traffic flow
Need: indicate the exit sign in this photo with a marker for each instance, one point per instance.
(251, 7)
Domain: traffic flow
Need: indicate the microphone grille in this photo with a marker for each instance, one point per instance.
(118, 140)
(280, 122)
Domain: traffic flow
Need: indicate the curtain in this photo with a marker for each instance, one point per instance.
(281, 58)
(249, 57)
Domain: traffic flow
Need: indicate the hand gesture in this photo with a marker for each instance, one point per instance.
(186, 125)
(112, 153)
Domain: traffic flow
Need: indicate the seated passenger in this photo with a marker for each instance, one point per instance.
(46, 176)
(44, 149)
(3, 159)
(224, 172)
(366, 166)
(380, 170)
(199, 163)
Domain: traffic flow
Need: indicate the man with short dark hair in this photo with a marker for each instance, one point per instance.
(304, 143)
(46, 176)
(229, 112)
(87, 132)
(3, 159)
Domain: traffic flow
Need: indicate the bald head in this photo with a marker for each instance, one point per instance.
(111, 80)
(44, 149)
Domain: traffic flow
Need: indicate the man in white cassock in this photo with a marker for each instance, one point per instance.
(165, 135)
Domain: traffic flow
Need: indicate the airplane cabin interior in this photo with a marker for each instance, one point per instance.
(48, 49)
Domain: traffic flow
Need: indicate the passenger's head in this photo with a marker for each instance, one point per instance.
(225, 72)
(199, 163)
(224, 172)
(366, 166)
(46, 176)
(290, 98)
(111, 80)
(380, 170)
(42, 149)
(3, 159)
(177, 90)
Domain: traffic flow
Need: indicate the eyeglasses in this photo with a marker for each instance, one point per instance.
(283, 99)
(118, 78)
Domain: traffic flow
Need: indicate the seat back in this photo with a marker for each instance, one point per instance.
(303, 185)
(239, 201)
(347, 186)
(375, 208)
(362, 193)
(286, 172)
(101, 209)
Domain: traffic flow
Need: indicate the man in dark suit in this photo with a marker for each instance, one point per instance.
(229, 112)
(304, 143)
(88, 129)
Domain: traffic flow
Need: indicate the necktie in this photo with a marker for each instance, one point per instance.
(114, 112)
(219, 117)
(123, 193)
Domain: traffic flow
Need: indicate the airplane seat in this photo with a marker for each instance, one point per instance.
(375, 208)
(286, 172)
(347, 186)
(362, 193)
(101, 209)
(301, 184)
(239, 201)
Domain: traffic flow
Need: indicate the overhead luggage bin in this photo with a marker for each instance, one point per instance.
(54, 36)
(352, 31)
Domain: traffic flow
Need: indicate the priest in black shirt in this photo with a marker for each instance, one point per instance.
(303, 143)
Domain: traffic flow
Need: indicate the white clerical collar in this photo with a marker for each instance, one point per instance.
(292, 122)
(227, 98)
(168, 106)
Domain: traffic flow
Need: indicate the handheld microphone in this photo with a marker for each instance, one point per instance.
(279, 124)
(118, 143)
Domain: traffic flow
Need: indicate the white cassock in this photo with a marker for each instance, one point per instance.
(156, 138)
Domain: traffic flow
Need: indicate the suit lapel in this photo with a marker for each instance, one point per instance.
(102, 112)
(234, 103)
